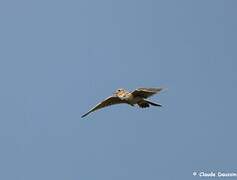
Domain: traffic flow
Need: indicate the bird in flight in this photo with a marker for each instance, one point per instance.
(139, 97)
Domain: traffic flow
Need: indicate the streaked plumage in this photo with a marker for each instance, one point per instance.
(138, 97)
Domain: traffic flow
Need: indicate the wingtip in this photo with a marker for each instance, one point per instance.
(83, 115)
(164, 89)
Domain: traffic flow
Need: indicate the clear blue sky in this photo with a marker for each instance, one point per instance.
(59, 58)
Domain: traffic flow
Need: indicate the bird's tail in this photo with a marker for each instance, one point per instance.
(152, 103)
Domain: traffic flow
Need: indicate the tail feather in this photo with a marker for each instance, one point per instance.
(152, 103)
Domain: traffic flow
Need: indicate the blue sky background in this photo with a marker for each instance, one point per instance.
(60, 58)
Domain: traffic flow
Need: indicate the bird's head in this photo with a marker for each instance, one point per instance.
(119, 91)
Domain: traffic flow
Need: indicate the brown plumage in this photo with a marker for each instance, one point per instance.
(138, 97)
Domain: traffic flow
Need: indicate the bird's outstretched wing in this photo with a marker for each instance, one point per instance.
(145, 92)
(107, 102)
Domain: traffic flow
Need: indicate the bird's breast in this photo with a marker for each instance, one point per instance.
(128, 97)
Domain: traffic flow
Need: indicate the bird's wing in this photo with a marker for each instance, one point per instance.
(145, 92)
(107, 102)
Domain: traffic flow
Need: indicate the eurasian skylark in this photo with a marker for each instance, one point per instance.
(139, 97)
